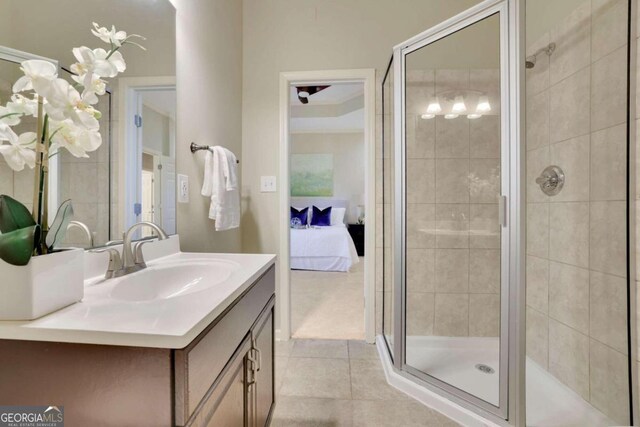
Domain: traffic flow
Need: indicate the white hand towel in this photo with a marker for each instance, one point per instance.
(221, 184)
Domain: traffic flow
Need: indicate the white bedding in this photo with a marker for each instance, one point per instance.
(322, 249)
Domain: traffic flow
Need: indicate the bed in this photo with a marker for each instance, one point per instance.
(322, 248)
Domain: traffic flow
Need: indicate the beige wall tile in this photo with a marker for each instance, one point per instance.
(569, 233)
(6, 179)
(421, 222)
(609, 382)
(452, 315)
(452, 181)
(608, 310)
(608, 90)
(450, 79)
(484, 137)
(569, 295)
(538, 229)
(609, 164)
(484, 180)
(538, 337)
(420, 270)
(484, 228)
(538, 76)
(538, 283)
(569, 106)
(484, 271)
(452, 138)
(538, 117)
(484, 315)
(609, 27)
(572, 37)
(569, 357)
(452, 225)
(420, 181)
(608, 237)
(573, 157)
(422, 145)
(420, 313)
(452, 270)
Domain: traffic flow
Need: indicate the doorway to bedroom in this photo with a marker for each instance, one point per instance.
(327, 215)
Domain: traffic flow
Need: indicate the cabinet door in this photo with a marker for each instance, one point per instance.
(225, 404)
(264, 381)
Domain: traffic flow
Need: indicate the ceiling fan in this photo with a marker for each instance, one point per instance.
(304, 92)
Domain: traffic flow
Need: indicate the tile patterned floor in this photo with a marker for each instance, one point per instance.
(328, 305)
(335, 383)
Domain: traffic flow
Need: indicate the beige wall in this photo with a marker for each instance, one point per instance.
(576, 240)
(209, 81)
(348, 163)
(289, 35)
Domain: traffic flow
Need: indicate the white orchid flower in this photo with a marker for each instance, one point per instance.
(38, 74)
(97, 61)
(65, 102)
(21, 104)
(109, 36)
(7, 134)
(9, 117)
(93, 85)
(76, 140)
(20, 151)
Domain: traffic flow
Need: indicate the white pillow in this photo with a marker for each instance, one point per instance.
(337, 216)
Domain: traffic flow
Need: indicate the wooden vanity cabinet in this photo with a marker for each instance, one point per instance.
(223, 378)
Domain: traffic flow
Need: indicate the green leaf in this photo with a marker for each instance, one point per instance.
(16, 247)
(13, 215)
(59, 227)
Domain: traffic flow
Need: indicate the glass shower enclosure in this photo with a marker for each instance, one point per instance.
(506, 241)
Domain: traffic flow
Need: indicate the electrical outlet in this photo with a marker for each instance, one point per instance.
(183, 188)
(267, 184)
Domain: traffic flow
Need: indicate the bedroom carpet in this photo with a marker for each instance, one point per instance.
(328, 305)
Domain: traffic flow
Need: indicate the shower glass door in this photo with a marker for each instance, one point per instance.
(453, 236)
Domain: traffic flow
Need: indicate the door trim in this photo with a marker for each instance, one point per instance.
(367, 77)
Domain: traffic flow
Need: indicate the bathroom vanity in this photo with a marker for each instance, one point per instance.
(148, 350)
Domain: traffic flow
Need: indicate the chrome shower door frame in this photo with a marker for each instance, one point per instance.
(510, 410)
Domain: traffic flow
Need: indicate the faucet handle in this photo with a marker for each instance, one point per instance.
(115, 261)
(138, 257)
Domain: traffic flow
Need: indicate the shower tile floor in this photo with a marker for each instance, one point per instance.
(336, 383)
(454, 360)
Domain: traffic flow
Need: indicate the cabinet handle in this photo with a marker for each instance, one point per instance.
(259, 359)
(252, 370)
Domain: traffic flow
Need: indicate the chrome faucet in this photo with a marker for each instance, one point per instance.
(82, 226)
(132, 259)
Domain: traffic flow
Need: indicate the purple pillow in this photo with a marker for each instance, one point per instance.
(298, 217)
(321, 217)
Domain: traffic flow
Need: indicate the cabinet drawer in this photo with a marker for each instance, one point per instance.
(198, 365)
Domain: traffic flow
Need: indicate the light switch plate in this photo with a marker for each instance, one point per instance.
(268, 184)
(183, 188)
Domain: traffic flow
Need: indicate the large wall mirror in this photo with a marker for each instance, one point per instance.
(131, 176)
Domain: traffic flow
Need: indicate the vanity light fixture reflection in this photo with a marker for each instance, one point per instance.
(474, 116)
(450, 116)
(458, 106)
(483, 105)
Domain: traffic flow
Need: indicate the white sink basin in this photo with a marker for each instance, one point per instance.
(172, 279)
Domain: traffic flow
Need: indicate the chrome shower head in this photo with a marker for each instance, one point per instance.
(530, 61)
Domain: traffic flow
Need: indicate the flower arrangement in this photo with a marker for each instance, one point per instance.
(66, 119)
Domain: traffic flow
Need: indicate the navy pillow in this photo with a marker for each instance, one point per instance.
(298, 217)
(321, 217)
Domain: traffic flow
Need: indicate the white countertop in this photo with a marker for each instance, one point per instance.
(164, 323)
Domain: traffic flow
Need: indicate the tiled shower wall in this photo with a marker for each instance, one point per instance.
(576, 254)
(453, 180)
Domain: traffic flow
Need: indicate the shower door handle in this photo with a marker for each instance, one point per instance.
(502, 211)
